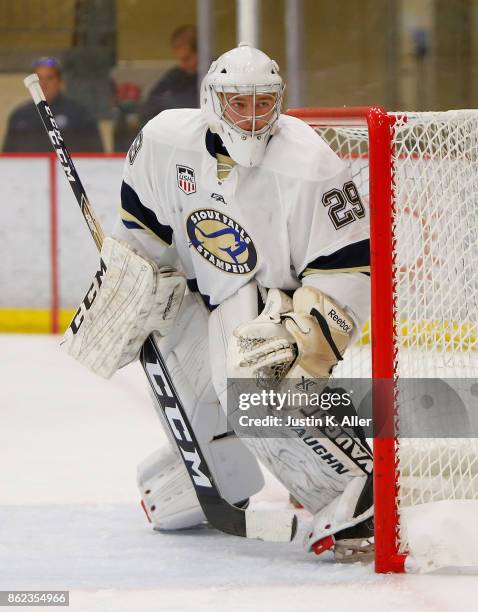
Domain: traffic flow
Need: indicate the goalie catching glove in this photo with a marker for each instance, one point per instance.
(305, 336)
(130, 297)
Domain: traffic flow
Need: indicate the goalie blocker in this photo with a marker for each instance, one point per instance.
(136, 298)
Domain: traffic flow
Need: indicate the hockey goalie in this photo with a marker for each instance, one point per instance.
(242, 244)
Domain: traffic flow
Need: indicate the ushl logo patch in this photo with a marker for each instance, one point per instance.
(186, 179)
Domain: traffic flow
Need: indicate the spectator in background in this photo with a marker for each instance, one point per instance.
(25, 132)
(126, 106)
(179, 87)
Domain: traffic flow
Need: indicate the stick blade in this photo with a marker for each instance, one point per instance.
(275, 526)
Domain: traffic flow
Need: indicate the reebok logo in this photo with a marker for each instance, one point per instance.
(342, 323)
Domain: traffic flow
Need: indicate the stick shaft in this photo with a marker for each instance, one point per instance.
(32, 83)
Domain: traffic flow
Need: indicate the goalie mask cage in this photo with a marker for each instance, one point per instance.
(419, 174)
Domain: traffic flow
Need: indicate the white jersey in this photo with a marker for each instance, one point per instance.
(296, 214)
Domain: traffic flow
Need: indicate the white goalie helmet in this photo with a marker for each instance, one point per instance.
(241, 98)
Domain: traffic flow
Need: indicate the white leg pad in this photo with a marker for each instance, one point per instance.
(234, 468)
(315, 470)
(167, 493)
(339, 514)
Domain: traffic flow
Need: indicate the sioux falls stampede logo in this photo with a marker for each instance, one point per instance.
(221, 241)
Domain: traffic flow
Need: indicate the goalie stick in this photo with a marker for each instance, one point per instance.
(277, 526)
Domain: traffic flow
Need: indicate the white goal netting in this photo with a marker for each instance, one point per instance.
(435, 261)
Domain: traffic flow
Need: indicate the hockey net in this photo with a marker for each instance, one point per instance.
(418, 172)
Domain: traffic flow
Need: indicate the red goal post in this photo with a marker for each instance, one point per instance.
(417, 172)
(378, 124)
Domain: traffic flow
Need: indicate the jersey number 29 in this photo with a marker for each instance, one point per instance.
(337, 202)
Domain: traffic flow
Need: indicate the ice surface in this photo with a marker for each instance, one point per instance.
(443, 534)
(70, 518)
